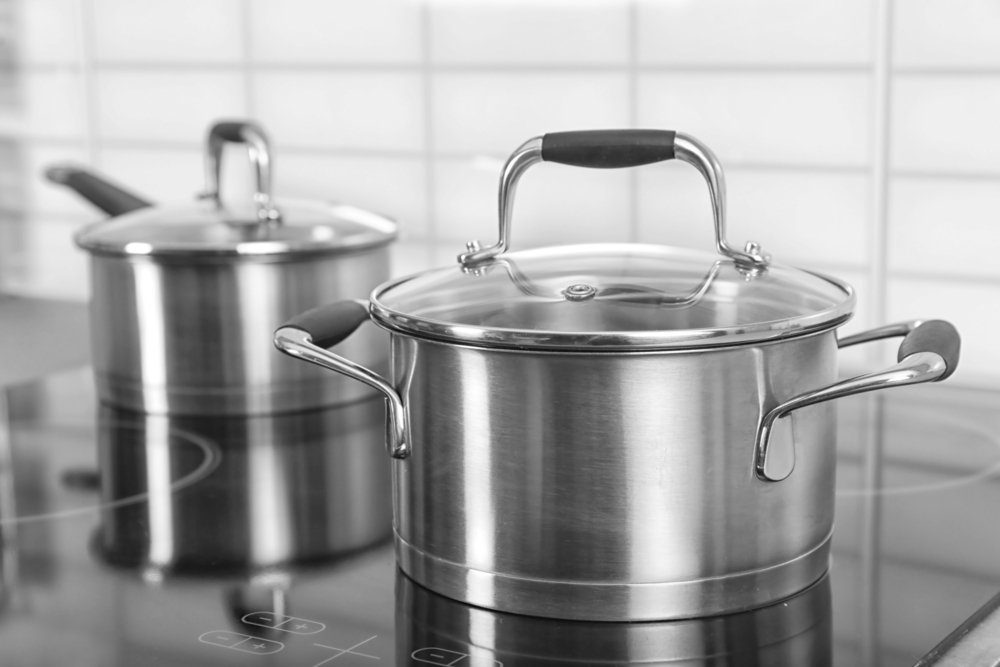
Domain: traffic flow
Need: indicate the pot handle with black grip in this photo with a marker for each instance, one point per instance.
(929, 352)
(613, 149)
(307, 336)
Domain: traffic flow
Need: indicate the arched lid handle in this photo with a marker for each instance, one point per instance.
(258, 149)
(613, 149)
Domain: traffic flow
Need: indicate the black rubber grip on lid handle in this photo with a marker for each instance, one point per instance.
(230, 130)
(935, 336)
(608, 149)
(332, 323)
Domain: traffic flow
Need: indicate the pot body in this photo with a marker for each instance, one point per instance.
(192, 336)
(612, 486)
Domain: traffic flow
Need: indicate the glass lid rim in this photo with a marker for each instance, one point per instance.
(398, 320)
(373, 229)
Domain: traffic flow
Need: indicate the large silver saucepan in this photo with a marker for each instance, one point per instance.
(615, 432)
(184, 296)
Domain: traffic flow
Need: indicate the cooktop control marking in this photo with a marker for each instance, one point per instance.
(239, 642)
(443, 657)
(346, 651)
(291, 624)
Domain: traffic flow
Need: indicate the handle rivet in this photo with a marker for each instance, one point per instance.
(580, 292)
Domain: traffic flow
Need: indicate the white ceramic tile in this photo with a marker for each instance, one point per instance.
(49, 31)
(764, 117)
(759, 32)
(161, 176)
(56, 268)
(555, 204)
(366, 110)
(944, 226)
(394, 187)
(374, 31)
(970, 306)
(168, 30)
(43, 197)
(496, 112)
(799, 217)
(45, 104)
(542, 33)
(943, 33)
(166, 105)
(947, 124)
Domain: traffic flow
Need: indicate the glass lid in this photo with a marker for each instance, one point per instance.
(612, 296)
(205, 229)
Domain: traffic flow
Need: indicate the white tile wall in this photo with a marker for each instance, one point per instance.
(763, 32)
(409, 107)
(335, 33)
(542, 34)
(171, 31)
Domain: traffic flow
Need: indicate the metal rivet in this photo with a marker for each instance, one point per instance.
(580, 292)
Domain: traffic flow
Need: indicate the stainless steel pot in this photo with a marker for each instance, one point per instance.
(183, 297)
(615, 432)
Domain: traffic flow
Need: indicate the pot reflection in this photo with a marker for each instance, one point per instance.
(434, 630)
(208, 495)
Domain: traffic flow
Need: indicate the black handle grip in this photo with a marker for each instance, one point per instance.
(110, 198)
(608, 149)
(330, 324)
(935, 336)
(229, 130)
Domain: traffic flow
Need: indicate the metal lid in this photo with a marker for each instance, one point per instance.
(612, 296)
(203, 229)
(207, 228)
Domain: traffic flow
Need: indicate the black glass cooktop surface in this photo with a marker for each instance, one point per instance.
(129, 539)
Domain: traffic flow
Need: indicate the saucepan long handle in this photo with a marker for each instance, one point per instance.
(307, 336)
(929, 352)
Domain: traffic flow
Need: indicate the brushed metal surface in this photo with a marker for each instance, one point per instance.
(194, 337)
(611, 470)
(275, 489)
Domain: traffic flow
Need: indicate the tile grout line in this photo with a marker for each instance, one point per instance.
(249, 80)
(88, 73)
(428, 109)
(633, 113)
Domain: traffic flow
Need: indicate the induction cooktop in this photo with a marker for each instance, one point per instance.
(130, 539)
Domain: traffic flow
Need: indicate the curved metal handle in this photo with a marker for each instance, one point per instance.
(929, 352)
(251, 134)
(612, 149)
(306, 336)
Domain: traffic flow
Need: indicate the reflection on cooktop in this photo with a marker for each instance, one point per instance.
(145, 540)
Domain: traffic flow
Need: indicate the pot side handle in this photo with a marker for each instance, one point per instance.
(307, 335)
(929, 352)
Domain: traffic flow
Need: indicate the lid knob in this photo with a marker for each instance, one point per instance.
(251, 134)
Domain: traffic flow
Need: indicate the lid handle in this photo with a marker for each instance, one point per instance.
(613, 149)
(251, 134)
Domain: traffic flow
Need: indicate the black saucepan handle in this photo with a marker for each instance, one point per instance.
(110, 198)
(608, 149)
